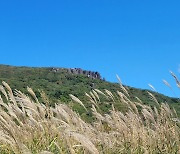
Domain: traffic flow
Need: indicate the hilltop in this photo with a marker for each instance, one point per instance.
(58, 83)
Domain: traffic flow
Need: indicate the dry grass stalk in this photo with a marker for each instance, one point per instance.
(77, 100)
(152, 87)
(176, 79)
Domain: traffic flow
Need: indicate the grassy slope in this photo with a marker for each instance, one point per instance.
(59, 85)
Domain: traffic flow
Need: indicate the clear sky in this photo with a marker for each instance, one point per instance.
(138, 40)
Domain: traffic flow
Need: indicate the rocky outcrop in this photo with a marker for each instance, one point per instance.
(90, 74)
(53, 69)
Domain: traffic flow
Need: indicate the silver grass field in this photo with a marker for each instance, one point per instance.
(27, 126)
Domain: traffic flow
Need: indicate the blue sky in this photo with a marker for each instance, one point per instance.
(138, 40)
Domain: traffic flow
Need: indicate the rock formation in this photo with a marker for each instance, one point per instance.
(90, 74)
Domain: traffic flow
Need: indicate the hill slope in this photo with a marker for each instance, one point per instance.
(58, 83)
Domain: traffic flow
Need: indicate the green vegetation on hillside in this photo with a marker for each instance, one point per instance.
(58, 86)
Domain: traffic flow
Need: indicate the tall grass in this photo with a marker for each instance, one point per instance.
(27, 126)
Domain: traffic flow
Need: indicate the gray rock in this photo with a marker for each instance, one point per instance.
(90, 74)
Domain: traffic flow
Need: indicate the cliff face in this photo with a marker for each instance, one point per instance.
(90, 74)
